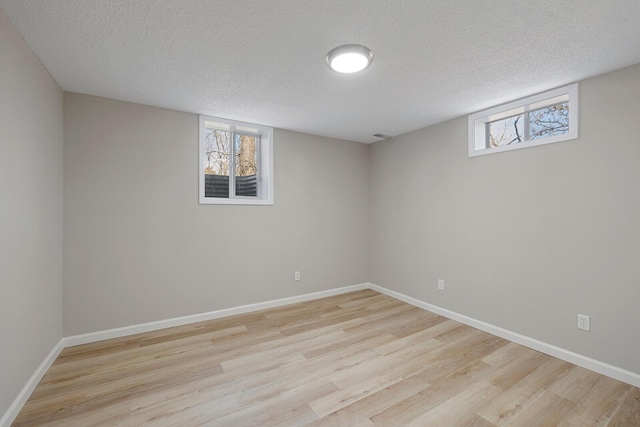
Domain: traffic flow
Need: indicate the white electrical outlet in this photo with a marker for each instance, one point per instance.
(440, 285)
(584, 322)
(296, 275)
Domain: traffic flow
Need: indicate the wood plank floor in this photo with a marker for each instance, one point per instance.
(358, 359)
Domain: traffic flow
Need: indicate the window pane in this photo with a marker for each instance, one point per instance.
(549, 121)
(217, 150)
(246, 164)
(505, 131)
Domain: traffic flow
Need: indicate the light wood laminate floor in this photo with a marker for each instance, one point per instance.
(358, 359)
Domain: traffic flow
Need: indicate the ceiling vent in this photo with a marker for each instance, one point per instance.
(382, 135)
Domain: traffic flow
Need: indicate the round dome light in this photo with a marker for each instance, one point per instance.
(349, 58)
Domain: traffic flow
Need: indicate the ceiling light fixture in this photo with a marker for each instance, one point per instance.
(349, 58)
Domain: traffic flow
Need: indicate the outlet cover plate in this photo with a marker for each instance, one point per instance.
(584, 322)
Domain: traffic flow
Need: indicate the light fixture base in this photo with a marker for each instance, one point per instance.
(349, 58)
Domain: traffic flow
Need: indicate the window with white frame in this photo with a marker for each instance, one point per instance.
(540, 119)
(236, 162)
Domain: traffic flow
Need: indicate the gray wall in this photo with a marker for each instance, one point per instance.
(138, 247)
(526, 239)
(30, 213)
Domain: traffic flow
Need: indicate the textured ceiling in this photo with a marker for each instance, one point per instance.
(263, 61)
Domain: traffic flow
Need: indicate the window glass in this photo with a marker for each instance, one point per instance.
(246, 165)
(505, 132)
(549, 121)
(217, 151)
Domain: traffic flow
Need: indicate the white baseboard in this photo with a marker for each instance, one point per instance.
(185, 320)
(28, 388)
(560, 353)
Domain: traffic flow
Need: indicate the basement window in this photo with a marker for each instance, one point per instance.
(236, 162)
(540, 119)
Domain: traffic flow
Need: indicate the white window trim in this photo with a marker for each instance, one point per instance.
(265, 178)
(477, 122)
